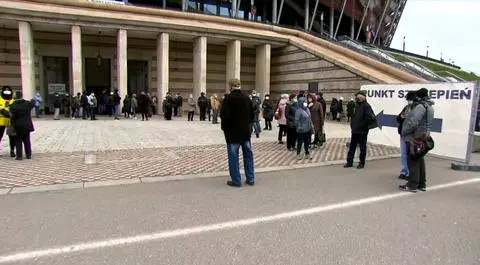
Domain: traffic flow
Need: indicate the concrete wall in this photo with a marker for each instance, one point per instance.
(292, 69)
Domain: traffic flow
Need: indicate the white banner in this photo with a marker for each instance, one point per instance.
(453, 121)
(56, 88)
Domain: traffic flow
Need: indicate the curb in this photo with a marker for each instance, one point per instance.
(462, 167)
(108, 183)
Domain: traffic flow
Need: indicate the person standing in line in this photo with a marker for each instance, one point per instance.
(66, 105)
(202, 104)
(417, 126)
(154, 105)
(116, 103)
(22, 122)
(209, 109)
(362, 121)
(6, 100)
(236, 123)
(127, 102)
(143, 105)
(290, 111)
(256, 111)
(85, 107)
(303, 125)
(281, 117)
(93, 104)
(268, 112)
(334, 108)
(317, 116)
(180, 105)
(215, 107)
(76, 105)
(350, 109)
(191, 107)
(340, 109)
(176, 104)
(38, 104)
(134, 106)
(322, 102)
(410, 97)
(57, 104)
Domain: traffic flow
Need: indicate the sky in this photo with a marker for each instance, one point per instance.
(450, 27)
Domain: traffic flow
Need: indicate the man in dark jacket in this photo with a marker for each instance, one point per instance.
(116, 103)
(203, 105)
(290, 111)
(362, 121)
(236, 122)
(22, 122)
(417, 126)
(322, 102)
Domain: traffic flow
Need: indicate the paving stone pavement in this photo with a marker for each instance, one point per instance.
(129, 149)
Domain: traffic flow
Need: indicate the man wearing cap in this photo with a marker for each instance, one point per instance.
(410, 97)
(236, 121)
(6, 99)
(363, 120)
(417, 125)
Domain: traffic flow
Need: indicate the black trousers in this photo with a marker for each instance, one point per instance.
(23, 140)
(190, 115)
(291, 137)
(175, 111)
(209, 114)
(144, 115)
(202, 113)
(417, 177)
(11, 139)
(303, 138)
(358, 139)
(268, 124)
(281, 130)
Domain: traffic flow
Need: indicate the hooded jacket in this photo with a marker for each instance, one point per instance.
(419, 120)
(303, 122)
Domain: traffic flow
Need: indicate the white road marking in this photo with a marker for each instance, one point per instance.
(21, 256)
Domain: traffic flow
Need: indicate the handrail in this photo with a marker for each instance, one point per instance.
(378, 66)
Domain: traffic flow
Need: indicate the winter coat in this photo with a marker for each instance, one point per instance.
(21, 116)
(303, 122)
(127, 103)
(38, 101)
(323, 104)
(237, 117)
(134, 103)
(215, 103)
(5, 105)
(57, 102)
(256, 104)
(290, 111)
(419, 120)
(350, 108)
(340, 106)
(403, 113)
(317, 116)
(363, 116)
(191, 104)
(202, 102)
(143, 103)
(282, 105)
(267, 109)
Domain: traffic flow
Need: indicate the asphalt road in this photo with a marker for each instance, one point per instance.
(352, 217)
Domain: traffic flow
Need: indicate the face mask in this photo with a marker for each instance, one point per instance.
(7, 92)
(267, 98)
(410, 102)
(254, 95)
(295, 100)
(305, 104)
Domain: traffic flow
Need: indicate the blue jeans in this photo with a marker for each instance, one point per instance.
(256, 127)
(37, 111)
(116, 110)
(404, 157)
(234, 165)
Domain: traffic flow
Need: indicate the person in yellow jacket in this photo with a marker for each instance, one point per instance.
(215, 102)
(6, 99)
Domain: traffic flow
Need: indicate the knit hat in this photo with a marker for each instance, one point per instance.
(361, 92)
(234, 83)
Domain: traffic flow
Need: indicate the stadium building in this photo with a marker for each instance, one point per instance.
(70, 46)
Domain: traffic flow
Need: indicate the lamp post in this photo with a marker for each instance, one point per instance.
(403, 43)
(427, 50)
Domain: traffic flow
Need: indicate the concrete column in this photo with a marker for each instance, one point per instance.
(233, 61)
(262, 69)
(352, 28)
(162, 67)
(199, 66)
(332, 21)
(307, 14)
(274, 12)
(27, 59)
(77, 60)
(122, 69)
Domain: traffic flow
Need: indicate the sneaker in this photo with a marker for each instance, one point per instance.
(402, 176)
(257, 135)
(12, 154)
(280, 142)
(360, 166)
(308, 156)
(407, 188)
(423, 189)
(347, 165)
(299, 157)
(233, 184)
